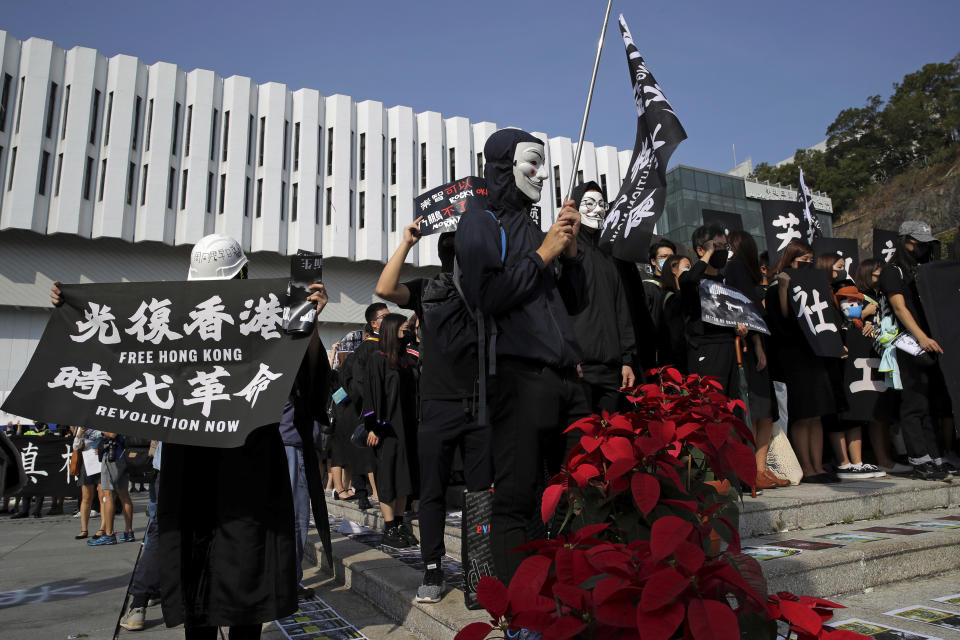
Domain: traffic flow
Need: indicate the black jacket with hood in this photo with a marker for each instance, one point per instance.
(604, 327)
(528, 300)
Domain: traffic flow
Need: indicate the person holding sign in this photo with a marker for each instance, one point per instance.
(901, 301)
(810, 391)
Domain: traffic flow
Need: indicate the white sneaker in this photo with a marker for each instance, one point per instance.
(873, 470)
(853, 472)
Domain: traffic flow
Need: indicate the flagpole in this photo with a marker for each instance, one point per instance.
(586, 111)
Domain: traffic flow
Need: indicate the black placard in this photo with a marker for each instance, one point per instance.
(724, 306)
(729, 221)
(200, 363)
(46, 463)
(846, 247)
(639, 204)
(939, 286)
(884, 245)
(863, 384)
(299, 314)
(783, 221)
(811, 300)
(441, 207)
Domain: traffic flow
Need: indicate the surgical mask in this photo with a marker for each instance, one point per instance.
(851, 309)
(593, 209)
(660, 264)
(529, 170)
(718, 259)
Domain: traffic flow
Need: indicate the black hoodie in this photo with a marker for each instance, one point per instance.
(529, 303)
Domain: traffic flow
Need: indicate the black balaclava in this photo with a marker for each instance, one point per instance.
(498, 153)
(446, 251)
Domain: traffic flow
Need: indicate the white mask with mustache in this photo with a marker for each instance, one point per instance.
(529, 169)
(592, 209)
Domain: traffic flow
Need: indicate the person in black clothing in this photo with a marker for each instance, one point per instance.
(390, 412)
(711, 348)
(603, 328)
(652, 290)
(671, 341)
(448, 402)
(901, 298)
(529, 291)
(743, 274)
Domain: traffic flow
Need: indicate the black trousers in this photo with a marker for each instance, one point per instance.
(916, 422)
(446, 425)
(35, 501)
(717, 359)
(532, 404)
(146, 578)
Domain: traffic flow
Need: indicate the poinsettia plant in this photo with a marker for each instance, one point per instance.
(646, 543)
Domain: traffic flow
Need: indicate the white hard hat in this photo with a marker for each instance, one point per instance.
(216, 257)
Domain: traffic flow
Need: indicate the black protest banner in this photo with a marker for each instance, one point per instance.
(783, 222)
(441, 207)
(812, 301)
(300, 314)
(863, 384)
(200, 363)
(884, 245)
(724, 306)
(729, 221)
(639, 204)
(536, 214)
(46, 463)
(939, 286)
(847, 248)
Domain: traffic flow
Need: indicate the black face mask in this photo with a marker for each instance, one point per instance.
(842, 277)
(406, 338)
(804, 265)
(446, 252)
(921, 252)
(410, 335)
(718, 259)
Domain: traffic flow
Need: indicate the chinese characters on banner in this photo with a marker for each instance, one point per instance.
(200, 363)
(729, 221)
(299, 314)
(783, 222)
(846, 247)
(441, 207)
(811, 300)
(639, 204)
(724, 306)
(863, 383)
(939, 286)
(46, 463)
(884, 245)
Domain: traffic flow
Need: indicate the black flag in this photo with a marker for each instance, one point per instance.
(884, 245)
(805, 197)
(812, 302)
(846, 247)
(639, 204)
(783, 222)
(729, 221)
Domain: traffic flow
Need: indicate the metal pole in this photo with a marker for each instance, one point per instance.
(586, 111)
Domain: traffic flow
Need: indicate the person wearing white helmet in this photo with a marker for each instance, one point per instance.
(217, 257)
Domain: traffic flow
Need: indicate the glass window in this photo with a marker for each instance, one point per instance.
(714, 182)
(687, 179)
(702, 182)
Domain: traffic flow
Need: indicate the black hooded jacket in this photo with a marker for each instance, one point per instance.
(604, 328)
(526, 298)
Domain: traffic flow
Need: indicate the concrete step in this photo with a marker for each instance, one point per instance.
(860, 565)
(811, 506)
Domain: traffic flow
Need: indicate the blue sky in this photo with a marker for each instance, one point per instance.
(768, 77)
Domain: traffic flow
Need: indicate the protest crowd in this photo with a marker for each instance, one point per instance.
(520, 334)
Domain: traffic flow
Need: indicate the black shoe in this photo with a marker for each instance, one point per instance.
(948, 468)
(407, 532)
(431, 589)
(364, 503)
(19, 515)
(57, 511)
(393, 537)
(304, 593)
(929, 471)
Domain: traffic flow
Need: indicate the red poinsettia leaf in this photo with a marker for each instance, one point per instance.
(539, 603)
(744, 432)
(492, 595)
(687, 505)
(666, 534)
(474, 631)
(619, 422)
(609, 560)
(584, 473)
(743, 461)
(618, 485)
(619, 611)
(668, 471)
(588, 425)
(717, 433)
(661, 623)
(606, 588)
(673, 375)
(813, 601)
(589, 443)
(572, 596)
(551, 498)
(662, 587)
(583, 533)
(684, 430)
(538, 621)
(663, 432)
(689, 556)
(842, 634)
(801, 616)
(528, 579)
(646, 491)
(619, 468)
(712, 620)
(564, 627)
(617, 448)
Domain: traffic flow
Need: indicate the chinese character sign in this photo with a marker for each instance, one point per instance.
(783, 222)
(863, 384)
(46, 464)
(884, 245)
(442, 206)
(729, 221)
(201, 363)
(812, 302)
(847, 248)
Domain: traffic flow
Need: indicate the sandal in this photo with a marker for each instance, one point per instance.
(340, 495)
(83, 534)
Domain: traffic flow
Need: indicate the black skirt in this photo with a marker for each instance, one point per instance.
(226, 538)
